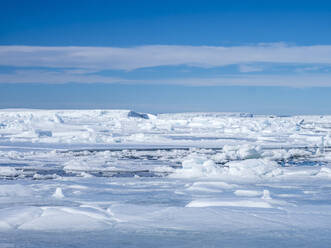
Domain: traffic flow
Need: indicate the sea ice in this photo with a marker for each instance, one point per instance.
(115, 175)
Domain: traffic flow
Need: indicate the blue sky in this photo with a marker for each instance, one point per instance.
(167, 56)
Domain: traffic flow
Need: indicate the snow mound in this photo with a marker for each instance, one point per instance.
(253, 168)
(238, 152)
(325, 172)
(241, 204)
(58, 193)
(195, 167)
(6, 171)
(82, 218)
(211, 186)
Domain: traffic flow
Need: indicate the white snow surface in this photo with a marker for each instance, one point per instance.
(105, 127)
(207, 176)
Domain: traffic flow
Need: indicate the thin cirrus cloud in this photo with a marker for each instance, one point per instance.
(56, 77)
(114, 58)
(297, 80)
(35, 64)
(250, 68)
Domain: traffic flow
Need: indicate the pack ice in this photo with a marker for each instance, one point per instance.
(123, 178)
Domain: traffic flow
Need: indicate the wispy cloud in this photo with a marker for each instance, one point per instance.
(114, 58)
(31, 64)
(55, 77)
(297, 80)
(250, 68)
(309, 69)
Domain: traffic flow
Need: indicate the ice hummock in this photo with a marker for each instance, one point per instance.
(137, 115)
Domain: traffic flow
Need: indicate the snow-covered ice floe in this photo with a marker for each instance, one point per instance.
(120, 177)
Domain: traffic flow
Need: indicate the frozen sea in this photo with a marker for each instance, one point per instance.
(118, 178)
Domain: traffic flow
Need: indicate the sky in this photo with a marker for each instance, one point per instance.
(263, 57)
